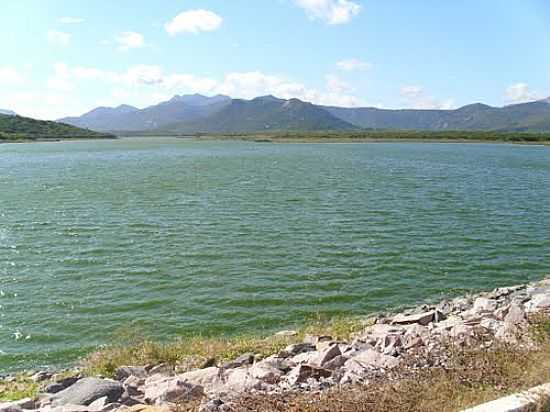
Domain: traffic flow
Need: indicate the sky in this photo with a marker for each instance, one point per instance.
(66, 57)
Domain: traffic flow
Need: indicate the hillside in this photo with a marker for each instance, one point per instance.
(14, 128)
(264, 114)
(532, 116)
(123, 118)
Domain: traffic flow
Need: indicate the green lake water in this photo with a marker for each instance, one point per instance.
(175, 236)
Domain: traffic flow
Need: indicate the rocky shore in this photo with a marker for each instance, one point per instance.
(403, 342)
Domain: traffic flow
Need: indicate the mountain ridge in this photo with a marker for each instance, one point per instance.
(222, 114)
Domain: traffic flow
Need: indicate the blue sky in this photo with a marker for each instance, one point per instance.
(65, 57)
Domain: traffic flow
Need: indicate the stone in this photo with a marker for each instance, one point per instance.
(516, 316)
(302, 373)
(539, 303)
(295, 349)
(9, 407)
(354, 372)
(125, 372)
(265, 373)
(172, 390)
(376, 359)
(87, 390)
(277, 362)
(213, 405)
(305, 357)
(61, 384)
(162, 369)
(133, 382)
(336, 362)
(315, 339)
(326, 355)
(286, 333)
(98, 404)
(421, 318)
(246, 359)
(240, 380)
(41, 376)
(26, 403)
(483, 305)
(211, 379)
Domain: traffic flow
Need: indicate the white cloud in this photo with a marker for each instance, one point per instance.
(336, 85)
(330, 11)
(143, 75)
(415, 97)
(190, 82)
(130, 40)
(350, 65)
(521, 93)
(59, 38)
(194, 21)
(70, 20)
(60, 81)
(10, 76)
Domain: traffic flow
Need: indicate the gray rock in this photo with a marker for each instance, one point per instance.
(9, 407)
(265, 373)
(420, 318)
(326, 355)
(246, 359)
(41, 376)
(172, 390)
(302, 373)
(125, 372)
(87, 390)
(484, 305)
(336, 362)
(376, 359)
(295, 349)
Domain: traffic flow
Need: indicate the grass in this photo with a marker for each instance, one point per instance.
(22, 387)
(192, 352)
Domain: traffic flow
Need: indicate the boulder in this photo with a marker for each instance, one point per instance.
(41, 376)
(125, 372)
(539, 303)
(211, 379)
(484, 305)
(172, 390)
(62, 383)
(246, 359)
(9, 407)
(265, 373)
(295, 349)
(302, 373)
(335, 363)
(326, 355)
(421, 318)
(240, 380)
(376, 359)
(87, 390)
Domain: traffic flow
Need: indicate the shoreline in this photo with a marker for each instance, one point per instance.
(316, 358)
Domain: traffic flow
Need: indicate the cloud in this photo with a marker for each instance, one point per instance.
(350, 65)
(521, 93)
(130, 40)
(336, 85)
(330, 11)
(70, 20)
(59, 38)
(415, 97)
(60, 81)
(10, 76)
(194, 21)
(143, 75)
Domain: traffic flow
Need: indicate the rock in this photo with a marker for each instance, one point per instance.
(125, 372)
(246, 359)
(484, 305)
(539, 303)
(315, 339)
(302, 373)
(211, 379)
(286, 333)
(305, 357)
(503, 292)
(26, 403)
(326, 355)
(375, 359)
(212, 405)
(265, 373)
(420, 318)
(354, 372)
(9, 407)
(41, 376)
(133, 382)
(87, 390)
(162, 369)
(61, 384)
(146, 408)
(277, 362)
(295, 349)
(172, 390)
(336, 362)
(239, 380)
(516, 316)
(98, 404)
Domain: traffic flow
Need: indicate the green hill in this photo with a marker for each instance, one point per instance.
(13, 128)
(264, 114)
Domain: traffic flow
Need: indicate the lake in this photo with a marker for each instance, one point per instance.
(179, 236)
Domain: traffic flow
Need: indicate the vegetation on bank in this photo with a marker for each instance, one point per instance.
(395, 135)
(17, 128)
(472, 375)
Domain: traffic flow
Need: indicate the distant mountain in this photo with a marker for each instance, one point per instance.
(128, 118)
(13, 127)
(7, 112)
(263, 114)
(532, 116)
(221, 114)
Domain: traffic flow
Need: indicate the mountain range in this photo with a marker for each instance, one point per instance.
(190, 114)
(7, 112)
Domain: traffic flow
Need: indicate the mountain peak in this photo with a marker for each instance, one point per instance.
(8, 112)
(198, 99)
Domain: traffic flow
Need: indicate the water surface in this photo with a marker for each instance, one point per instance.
(178, 236)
